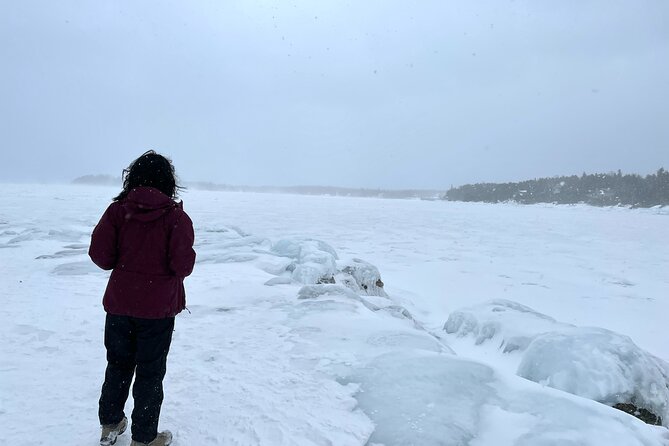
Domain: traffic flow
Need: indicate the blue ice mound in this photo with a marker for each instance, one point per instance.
(601, 365)
(593, 363)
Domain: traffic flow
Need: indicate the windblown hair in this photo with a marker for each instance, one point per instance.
(150, 170)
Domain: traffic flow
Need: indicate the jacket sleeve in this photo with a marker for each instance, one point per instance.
(181, 253)
(103, 249)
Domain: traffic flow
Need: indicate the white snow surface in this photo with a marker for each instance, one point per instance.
(265, 357)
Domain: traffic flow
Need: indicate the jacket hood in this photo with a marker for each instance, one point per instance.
(148, 204)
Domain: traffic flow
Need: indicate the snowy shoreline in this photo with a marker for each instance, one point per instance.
(255, 364)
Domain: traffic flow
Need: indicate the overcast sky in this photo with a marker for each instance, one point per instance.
(365, 93)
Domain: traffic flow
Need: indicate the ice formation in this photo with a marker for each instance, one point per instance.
(600, 365)
(315, 262)
(594, 363)
(511, 324)
(361, 277)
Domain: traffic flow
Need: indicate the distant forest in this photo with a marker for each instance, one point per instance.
(609, 189)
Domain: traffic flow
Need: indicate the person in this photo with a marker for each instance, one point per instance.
(146, 239)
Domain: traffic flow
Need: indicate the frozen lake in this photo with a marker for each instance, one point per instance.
(253, 364)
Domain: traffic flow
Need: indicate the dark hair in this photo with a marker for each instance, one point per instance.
(150, 170)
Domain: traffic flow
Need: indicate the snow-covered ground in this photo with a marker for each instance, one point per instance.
(267, 356)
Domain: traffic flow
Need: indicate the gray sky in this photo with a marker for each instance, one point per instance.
(363, 93)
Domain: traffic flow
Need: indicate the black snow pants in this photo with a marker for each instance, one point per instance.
(135, 346)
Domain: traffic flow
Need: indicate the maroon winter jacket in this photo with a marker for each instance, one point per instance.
(147, 240)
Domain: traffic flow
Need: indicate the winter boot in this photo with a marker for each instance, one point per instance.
(163, 438)
(111, 431)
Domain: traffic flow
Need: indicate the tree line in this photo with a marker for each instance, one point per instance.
(608, 189)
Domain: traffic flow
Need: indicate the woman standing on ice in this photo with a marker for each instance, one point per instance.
(146, 239)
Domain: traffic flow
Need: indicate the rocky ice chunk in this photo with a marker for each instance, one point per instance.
(362, 277)
(600, 365)
(377, 304)
(313, 262)
(514, 325)
(593, 363)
